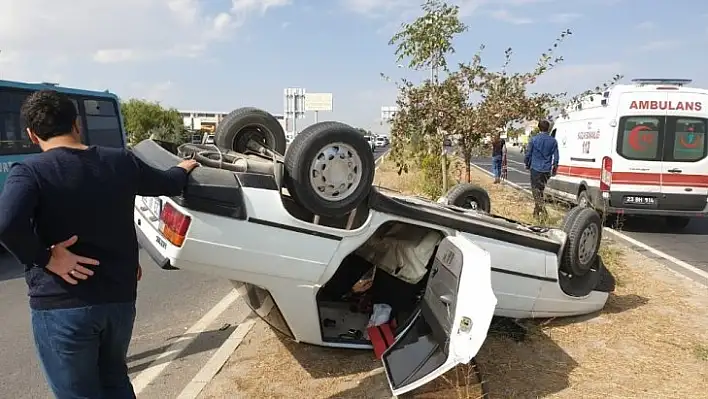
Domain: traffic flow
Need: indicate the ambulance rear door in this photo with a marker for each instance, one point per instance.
(637, 165)
(685, 166)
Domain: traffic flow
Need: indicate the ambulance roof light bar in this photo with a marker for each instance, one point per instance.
(661, 81)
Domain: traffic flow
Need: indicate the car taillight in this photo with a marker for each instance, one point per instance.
(174, 224)
(606, 174)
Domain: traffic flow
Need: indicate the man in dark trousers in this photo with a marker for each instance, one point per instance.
(67, 215)
(541, 160)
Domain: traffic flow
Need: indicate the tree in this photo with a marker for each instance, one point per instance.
(425, 43)
(144, 119)
(471, 102)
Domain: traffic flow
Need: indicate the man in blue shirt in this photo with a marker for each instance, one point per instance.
(541, 160)
(67, 215)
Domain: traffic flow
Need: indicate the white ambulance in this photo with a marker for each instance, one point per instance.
(637, 149)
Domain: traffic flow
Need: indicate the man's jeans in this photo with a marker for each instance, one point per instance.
(83, 350)
(497, 166)
(538, 185)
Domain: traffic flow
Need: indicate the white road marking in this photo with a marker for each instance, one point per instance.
(678, 262)
(217, 361)
(164, 359)
(221, 356)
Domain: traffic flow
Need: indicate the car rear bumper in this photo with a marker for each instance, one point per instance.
(674, 202)
(144, 243)
(655, 212)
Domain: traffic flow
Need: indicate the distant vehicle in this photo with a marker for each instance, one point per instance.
(98, 112)
(381, 141)
(637, 149)
(371, 141)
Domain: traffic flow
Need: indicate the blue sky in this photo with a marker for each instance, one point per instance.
(222, 54)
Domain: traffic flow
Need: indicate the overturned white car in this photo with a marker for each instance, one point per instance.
(339, 258)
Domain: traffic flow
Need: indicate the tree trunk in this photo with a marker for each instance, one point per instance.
(468, 167)
(444, 172)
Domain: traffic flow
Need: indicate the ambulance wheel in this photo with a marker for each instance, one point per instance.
(583, 199)
(584, 235)
(469, 196)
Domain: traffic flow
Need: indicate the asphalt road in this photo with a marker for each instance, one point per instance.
(688, 245)
(169, 303)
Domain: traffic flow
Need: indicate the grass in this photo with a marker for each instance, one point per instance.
(651, 340)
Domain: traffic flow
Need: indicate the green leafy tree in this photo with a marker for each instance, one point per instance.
(145, 119)
(426, 43)
(469, 103)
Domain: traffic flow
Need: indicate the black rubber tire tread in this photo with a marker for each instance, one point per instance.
(460, 192)
(237, 120)
(302, 151)
(570, 217)
(597, 279)
(570, 262)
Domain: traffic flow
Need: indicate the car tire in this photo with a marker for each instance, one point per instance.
(469, 196)
(677, 222)
(315, 150)
(245, 124)
(583, 199)
(598, 279)
(570, 217)
(581, 247)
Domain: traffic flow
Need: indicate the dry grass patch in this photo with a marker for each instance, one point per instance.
(267, 365)
(650, 341)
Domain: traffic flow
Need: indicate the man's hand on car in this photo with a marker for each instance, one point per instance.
(68, 265)
(188, 165)
(554, 170)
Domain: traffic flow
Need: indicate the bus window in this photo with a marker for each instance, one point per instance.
(102, 123)
(13, 138)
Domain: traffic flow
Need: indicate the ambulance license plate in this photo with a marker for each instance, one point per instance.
(639, 200)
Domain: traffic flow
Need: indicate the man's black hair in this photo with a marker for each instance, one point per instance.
(544, 126)
(48, 113)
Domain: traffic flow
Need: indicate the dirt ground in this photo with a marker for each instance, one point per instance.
(650, 341)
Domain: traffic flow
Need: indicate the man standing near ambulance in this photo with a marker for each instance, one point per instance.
(541, 161)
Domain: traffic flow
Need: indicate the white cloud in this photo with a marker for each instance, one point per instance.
(659, 45)
(378, 8)
(645, 25)
(577, 78)
(35, 32)
(564, 18)
(506, 16)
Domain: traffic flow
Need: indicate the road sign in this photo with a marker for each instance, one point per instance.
(387, 113)
(318, 102)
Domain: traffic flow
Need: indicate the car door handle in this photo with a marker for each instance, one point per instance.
(446, 299)
(675, 170)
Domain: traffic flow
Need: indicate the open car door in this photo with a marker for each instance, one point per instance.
(453, 319)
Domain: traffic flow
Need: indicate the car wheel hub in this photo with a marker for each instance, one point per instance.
(335, 173)
(588, 244)
(472, 204)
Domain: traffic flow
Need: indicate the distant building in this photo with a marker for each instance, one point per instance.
(208, 120)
